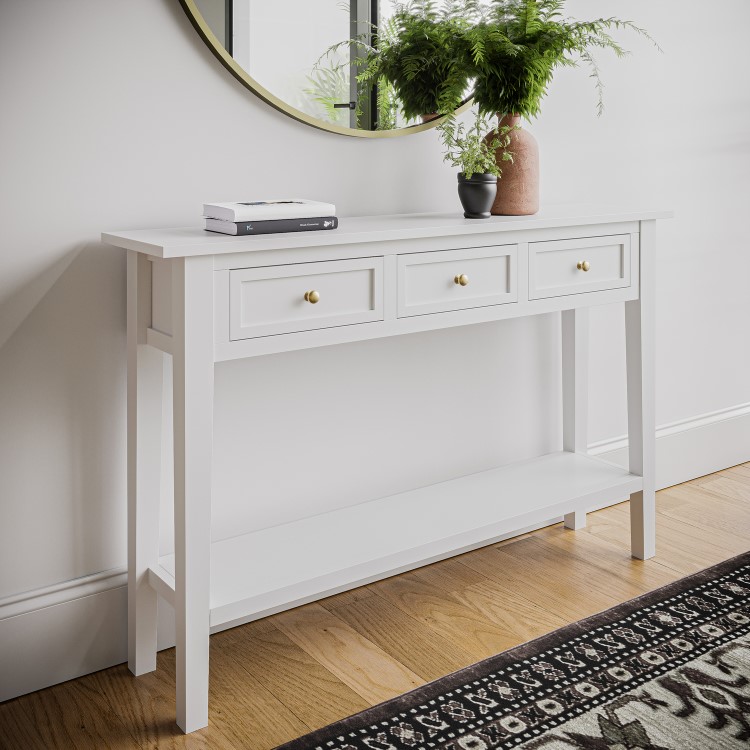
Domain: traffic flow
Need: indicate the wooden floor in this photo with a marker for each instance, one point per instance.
(281, 677)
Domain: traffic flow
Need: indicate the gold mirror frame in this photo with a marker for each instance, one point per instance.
(208, 36)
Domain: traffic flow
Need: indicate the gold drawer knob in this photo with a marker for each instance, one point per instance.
(312, 296)
(583, 265)
(461, 280)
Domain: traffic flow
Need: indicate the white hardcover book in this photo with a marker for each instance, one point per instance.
(268, 210)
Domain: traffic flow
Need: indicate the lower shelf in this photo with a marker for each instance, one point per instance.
(274, 569)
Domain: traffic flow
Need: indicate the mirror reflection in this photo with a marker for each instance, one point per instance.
(311, 55)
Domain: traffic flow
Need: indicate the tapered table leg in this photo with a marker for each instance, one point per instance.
(639, 337)
(145, 386)
(193, 363)
(575, 379)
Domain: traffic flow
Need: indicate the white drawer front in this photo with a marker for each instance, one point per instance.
(554, 266)
(427, 282)
(271, 300)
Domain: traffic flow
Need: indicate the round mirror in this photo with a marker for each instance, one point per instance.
(305, 58)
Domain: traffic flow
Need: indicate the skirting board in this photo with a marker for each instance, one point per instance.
(692, 447)
(77, 627)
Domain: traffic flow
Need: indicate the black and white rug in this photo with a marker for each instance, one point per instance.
(669, 670)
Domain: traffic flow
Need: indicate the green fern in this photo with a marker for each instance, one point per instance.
(423, 55)
(388, 106)
(431, 53)
(517, 45)
(473, 148)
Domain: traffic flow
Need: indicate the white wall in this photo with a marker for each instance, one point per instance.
(117, 116)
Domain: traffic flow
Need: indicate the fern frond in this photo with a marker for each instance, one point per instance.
(433, 53)
(473, 149)
(587, 57)
(515, 49)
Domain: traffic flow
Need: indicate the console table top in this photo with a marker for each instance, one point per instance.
(182, 242)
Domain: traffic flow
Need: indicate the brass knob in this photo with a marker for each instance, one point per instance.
(312, 296)
(461, 280)
(583, 265)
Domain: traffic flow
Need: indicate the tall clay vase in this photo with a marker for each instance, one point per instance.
(518, 187)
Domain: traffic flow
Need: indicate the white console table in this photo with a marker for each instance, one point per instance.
(204, 298)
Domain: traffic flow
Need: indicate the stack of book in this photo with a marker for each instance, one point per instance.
(268, 217)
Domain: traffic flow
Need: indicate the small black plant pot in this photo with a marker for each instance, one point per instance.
(477, 194)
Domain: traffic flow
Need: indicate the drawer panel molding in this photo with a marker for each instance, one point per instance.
(592, 264)
(303, 297)
(448, 280)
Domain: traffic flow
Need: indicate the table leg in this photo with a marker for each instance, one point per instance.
(639, 338)
(145, 392)
(193, 372)
(575, 377)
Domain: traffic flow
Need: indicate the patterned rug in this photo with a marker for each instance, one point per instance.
(669, 670)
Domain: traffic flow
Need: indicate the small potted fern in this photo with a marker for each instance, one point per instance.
(475, 152)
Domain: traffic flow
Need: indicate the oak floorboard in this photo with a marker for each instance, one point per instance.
(14, 724)
(239, 705)
(356, 661)
(514, 539)
(729, 487)
(717, 544)
(17, 730)
(243, 707)
(679, 546)
(258, 627)
(534, 582)
(522, 621)
(346, 597)
(604, 576)
(292, 675)
(444, 613)
(590, 550)
(703, 508)
(739, 473)
(732, 471)
(146, 704)
(740, 469)
(70, 715)
(424, 651)
(449, 575)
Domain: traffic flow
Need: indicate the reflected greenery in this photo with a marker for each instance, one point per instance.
(407, 62)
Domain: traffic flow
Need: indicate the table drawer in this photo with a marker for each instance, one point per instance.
(431, 282)
(557, 268)
(272, 300)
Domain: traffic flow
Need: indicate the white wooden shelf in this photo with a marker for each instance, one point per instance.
(257, 574)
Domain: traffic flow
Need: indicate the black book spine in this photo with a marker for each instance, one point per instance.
(286, 225)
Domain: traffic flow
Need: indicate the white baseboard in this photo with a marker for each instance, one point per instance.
(73, 628)
(64, 631)
(51, 644)
(692, 447)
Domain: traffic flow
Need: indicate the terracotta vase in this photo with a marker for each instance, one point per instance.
(429, 116)
(518, 187)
